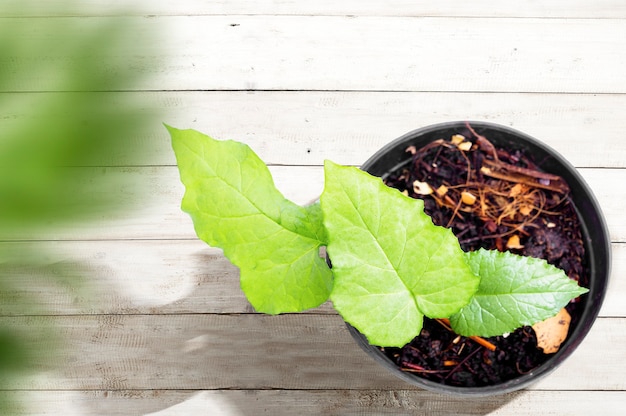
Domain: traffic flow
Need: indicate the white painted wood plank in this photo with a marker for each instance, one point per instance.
(300, 351)
(365, 53)
(159, 277)
(158, 215)
(123, 277)
(616, 291)
(610, 196)
(304, 128)
(314, 402)
(522, 8)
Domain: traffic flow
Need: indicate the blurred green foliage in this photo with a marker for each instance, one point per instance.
(66, 113)
(62, 106)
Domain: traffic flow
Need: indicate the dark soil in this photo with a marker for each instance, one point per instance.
(513, 199)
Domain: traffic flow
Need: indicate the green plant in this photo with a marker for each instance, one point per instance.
(391, 266)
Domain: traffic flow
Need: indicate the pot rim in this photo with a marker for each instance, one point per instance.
(596, 240)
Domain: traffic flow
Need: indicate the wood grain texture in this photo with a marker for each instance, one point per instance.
(306, 127)
(400, 54)
(159, 277)
(522, 8)
(314, 403)
(157, 214)
(249, 351)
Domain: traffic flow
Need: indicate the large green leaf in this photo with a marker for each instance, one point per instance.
(235, 205)
(392, 265)
(514, 291)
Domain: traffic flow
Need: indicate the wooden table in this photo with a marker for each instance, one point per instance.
(162, 327)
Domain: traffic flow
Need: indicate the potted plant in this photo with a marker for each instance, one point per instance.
(395, 273)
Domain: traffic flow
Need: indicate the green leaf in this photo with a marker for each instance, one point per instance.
(392, 265)
(235, 205)
(514, 291)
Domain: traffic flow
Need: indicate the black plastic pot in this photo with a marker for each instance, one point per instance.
(595, 238)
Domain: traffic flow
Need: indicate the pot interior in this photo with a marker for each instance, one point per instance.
(596, 239)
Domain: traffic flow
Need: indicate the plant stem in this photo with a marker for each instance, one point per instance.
(476, 339)
(455, 369)
(414, 368)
